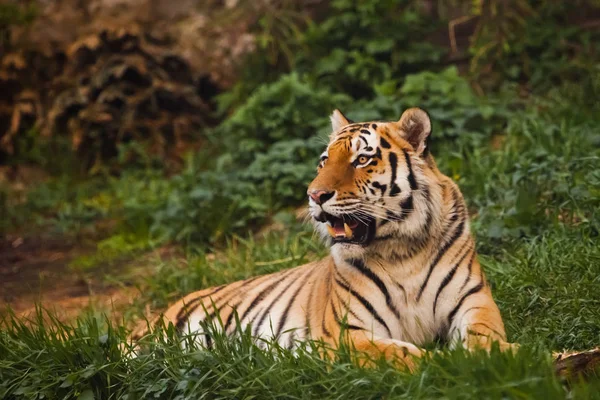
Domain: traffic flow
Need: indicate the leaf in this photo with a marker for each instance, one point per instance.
(380, 45)
(68, 382)
(86, 395)
(88, 372)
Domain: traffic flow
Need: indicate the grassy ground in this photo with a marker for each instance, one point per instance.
(534, 197)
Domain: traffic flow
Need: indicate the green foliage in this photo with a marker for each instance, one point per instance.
(455, 110)
(372, 60)
(363, 44)
(287, 109)
(279, 172)
(354, 47)
(544, 174)
(201, 208)
(268, 148)
(541, 43)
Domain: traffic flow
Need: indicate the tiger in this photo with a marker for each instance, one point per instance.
(402, 270)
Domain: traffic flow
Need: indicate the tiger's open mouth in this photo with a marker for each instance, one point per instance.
(349, 228)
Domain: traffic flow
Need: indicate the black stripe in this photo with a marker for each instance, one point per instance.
(290, 344)
(407, 208)
(459, 231)
(308, 310)
(473, 308)
(462, 300)
(468, 277)
(339, 276)
(385, 144)
(335, 314)
(266, 311)
(363, 139)
(401, 287)
(353, 327)
(411, 176)
(291, 302)
(348, 309)
(427, 201)
(234, 307)
(342, 324)
(472, 333)
(225, 297)
(449, 277)
(368, 273)
(457, 206)
(379, 186)
(193, 302)
(366, 304)
(230, 317)
(483, 324)
(378, 153)
(323, 327)
(263, 293)
(393, 159)
(328, 287)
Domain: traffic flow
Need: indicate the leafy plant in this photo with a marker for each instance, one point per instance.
(362, 44)
(538, 43)
(287, 109)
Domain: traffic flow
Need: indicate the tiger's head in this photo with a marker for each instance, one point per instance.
(373, 182)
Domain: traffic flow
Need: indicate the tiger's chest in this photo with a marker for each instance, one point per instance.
(388, 306)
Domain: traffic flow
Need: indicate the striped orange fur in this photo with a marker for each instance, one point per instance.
(403, 268)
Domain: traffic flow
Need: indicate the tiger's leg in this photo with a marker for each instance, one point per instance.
(403, 354)
(476, 322)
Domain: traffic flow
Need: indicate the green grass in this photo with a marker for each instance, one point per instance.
(84, 361)
(535, 200)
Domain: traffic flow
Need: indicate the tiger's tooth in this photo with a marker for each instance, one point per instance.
(347, 230)
(330, 230)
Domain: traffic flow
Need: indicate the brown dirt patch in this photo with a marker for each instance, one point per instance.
(35, 271)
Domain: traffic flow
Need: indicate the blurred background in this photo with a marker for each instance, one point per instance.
(152, 147)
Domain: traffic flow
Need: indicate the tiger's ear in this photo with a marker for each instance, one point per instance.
(338, 120)
(415, 127)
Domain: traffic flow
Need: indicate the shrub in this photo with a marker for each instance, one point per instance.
(287, 109)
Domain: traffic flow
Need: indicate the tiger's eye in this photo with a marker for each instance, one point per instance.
(363, 159)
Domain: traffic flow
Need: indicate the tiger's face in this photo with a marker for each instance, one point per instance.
(371, 181)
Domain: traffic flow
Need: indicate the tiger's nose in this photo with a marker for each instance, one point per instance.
(320, 196)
